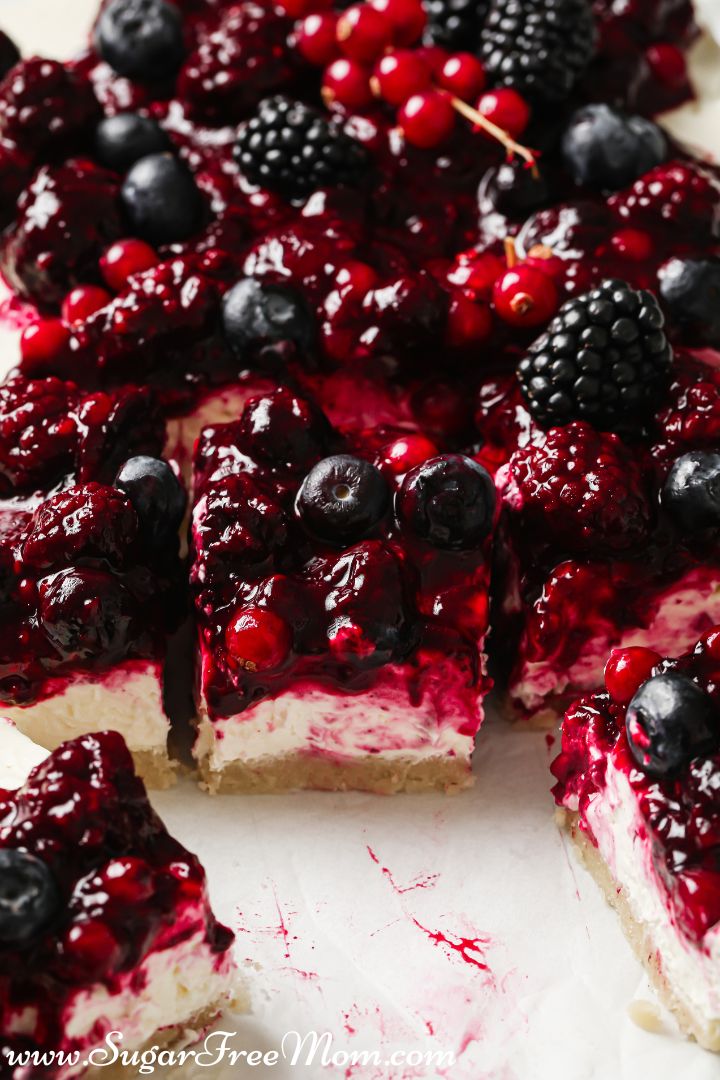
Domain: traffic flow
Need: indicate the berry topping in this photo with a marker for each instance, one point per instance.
(539, 47)
(9, 54)
(364, 33)
(525, 296)
(582, 490)
(257, 639)
(77, 306)
(316, 40)
(29, 897)
(285, 430)
(449, 501)
(407, 18)
(604, 358)
(64, 219)
(90, 520)
(125, 258)
(463, 75)
(157, 495)
(243, 58)
(347, 83)
(142, 39)
(681, 194)
(506, 109)
(627, 669)
(691, 290)
(398, 75)
(87, 614)
(691, 494)
(342, 498)
(669, 721)
(291, 148)
(455, 24)
(605, 149)
(161, 200)
(427, 119)
(45, 105)
(513, 190)
(263, 321)
(42, 342)
(122, 140)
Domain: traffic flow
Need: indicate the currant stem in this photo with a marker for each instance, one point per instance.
(507, 141)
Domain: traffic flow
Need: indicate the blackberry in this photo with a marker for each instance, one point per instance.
(604, 358)
(538, 47)
(455, 24)
(293, 149)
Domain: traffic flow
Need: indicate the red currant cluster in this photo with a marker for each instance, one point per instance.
(373, 51)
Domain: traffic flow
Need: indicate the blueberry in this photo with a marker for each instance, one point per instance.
(29, 896)
(9, 54)
(260, 318)
(122, 140)
(691, 291)
(161, 200)
(670, 721)
(342, 497)
(87, 614)
(142, 39)
(606, 149)
(691, 493)
(448, 501)
(157, 495)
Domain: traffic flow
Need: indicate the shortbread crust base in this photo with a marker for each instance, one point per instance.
(705, 1032)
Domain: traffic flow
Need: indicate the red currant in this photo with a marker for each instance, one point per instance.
(627, 670)
(398, 75)
(433, 56)
(316, 39)
(405, 453)
(507, 109)
(42, 342)
(355, 278)
(364, 33)
(89, 949)
(667, 64)
(709, 645)
(408, 19)
(632, 244)
(83, 302)
(468, 322)
(442, 410)
(346, 82)
(257, 639)
(477, 272)
(125, 258)
(525, 296)
(128, 879)
(463, 75)
(427, 119)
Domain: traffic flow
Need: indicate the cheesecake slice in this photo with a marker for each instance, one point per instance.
(341, 595)
(105, 922)
(638, 781)
(90, 578)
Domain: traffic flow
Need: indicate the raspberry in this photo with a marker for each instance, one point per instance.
(45, 105)
(690, 419)
(683, 194)
(242, 60)
(88, 520)
(115, 427)
(65, 218)
(582, 490)
(164, 316)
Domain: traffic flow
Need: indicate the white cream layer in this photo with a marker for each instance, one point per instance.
(18, 756)
(691, 970)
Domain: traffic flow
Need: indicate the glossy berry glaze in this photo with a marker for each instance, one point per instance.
(125, 890)
(379, 266)
(679, 815)
(280, 607)
(80, 587)
(589, 555)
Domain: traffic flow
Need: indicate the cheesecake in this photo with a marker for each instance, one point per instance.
(636, 783)
(341, 593)
(89, 571)
(105, 922)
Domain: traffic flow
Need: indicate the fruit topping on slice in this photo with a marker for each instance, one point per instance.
(448, 501)
(161, 200)
(29, 897)
(342, 498)
(122, 140)
(691, 290)
(157, 495)
(604, 149)
(604, 358)
(670, 721)
(263, 321)
(691, 494)
(142, 39)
